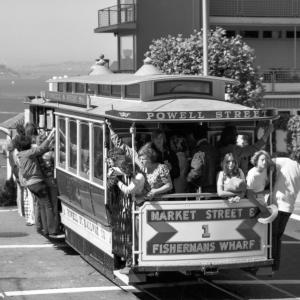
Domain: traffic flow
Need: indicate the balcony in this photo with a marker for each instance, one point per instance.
(281, 80)
(255, 8)
(116, 19)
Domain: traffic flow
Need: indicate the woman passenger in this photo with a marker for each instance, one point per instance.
(231, 182)
(157, 175)
(257, 180)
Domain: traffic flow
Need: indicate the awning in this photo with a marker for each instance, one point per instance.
(10, 124)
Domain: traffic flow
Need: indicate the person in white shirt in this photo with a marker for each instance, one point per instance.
(257, 180)
(286, 192)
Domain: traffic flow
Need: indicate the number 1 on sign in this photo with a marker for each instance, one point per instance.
(205, 234)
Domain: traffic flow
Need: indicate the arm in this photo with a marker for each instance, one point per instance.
(136, 185)
(118, 143)
(220, 187)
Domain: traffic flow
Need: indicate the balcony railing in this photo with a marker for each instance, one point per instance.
(115, 15)
(281, 76)
(255, 8)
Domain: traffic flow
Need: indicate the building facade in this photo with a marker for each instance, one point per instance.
(271, 27)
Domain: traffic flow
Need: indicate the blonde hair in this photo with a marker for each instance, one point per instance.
(255, 157)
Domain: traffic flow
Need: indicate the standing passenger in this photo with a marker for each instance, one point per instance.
(34, 179)
(257, 180)
(286, 192)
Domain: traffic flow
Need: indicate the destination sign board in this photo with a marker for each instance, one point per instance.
(201, 231)
(67, 98)
(254, 114)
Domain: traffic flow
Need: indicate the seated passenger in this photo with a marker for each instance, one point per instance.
(257, 180)
(178, 145)
(164, 154)
(202, 174)
(231, 182)
(157, 175)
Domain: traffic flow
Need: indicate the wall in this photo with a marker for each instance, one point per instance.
(156, 18)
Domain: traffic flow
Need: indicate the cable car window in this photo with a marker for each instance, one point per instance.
(69, 87)
(105, 89)
(92, 89)
(79, 87)
(84, 149)
(116, 90)
(73, 146)
(132, 91)
(98, 152)
(183, 87)
(62, 142)
(60, 86)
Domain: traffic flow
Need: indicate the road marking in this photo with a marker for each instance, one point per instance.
(68, 290)
(6, 210)
(259, 282)
(295, 217)
(267, 283)
(34, 246)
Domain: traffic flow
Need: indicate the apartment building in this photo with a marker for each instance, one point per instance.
(271, 27)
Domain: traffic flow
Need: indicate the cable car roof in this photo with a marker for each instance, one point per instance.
(170, 110)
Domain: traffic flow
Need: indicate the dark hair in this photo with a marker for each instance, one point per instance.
(228, 136)
(22, 142)
(156, 133)
(235, 170)
(30, 129)
(149, 151)
(20, 129)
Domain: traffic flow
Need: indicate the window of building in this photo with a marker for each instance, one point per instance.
(230, 33)
(73, 146)
(132, 91)
(291, 34)
(127, 55)
(98, 153)
(84, 149)
(250, 34)
(267, 34)
(62, 142)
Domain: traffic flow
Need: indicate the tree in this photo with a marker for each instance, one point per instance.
(293, 137)
(228, 57)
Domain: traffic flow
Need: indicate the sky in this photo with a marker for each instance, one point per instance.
(34, 32)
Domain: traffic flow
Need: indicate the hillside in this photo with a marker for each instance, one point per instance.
(6, 72)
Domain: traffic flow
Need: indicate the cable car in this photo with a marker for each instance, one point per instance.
(182, 232)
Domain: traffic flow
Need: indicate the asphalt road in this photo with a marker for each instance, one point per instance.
(32, 267)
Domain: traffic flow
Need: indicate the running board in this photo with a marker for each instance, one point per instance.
(131, 277)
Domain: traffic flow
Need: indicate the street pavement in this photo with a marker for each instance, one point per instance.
(33, 267)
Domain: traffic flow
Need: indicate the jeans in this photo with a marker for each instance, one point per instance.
(278, 227)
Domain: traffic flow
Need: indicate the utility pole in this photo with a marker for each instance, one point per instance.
(205, 28)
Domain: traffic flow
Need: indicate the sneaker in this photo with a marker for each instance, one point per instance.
(29, 224)
(274, 212)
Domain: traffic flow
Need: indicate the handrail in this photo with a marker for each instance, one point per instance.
(188, 195)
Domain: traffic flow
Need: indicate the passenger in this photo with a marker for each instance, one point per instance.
(231, 182)
(202, 174)
(136, 181)
(257, 180)
(29, 198)
(228, 144)
(165, 155)
(14, 164)
(157, 175)
(179, 146)
(286, 192)
(33, 177)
